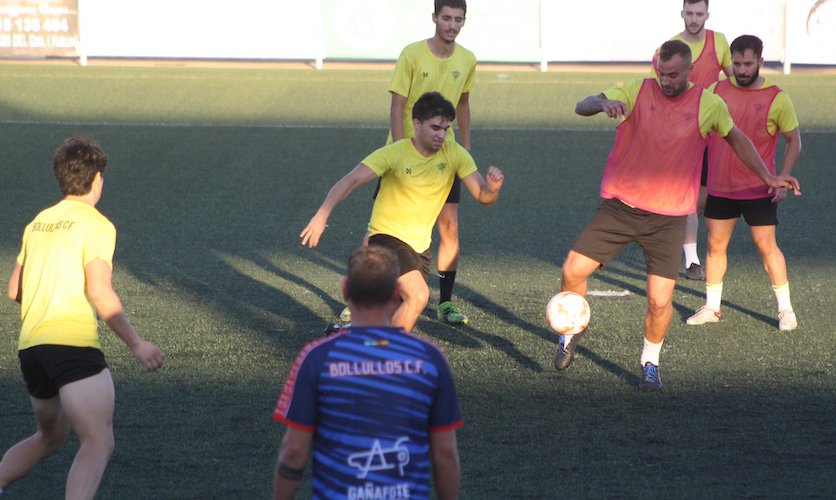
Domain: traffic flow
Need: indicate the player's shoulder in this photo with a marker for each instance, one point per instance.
(465, 53)
(720, 39)
(415, 48)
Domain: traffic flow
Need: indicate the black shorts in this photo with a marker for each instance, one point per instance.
(454, 196)
(758, 212)
(408, 259)
(47, 368)
(615, 225)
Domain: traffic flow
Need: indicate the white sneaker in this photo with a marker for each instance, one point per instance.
(787, 320)
(704, 315)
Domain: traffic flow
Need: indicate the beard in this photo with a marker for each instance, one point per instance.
(748, 81)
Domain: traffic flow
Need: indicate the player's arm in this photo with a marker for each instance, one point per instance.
(358, 176)
(444, 453)
(396, 116)
(486, 191)
(15, 290)
(98, 274)
(463, 119)
(791, 154)
(745, 150)
(595, 104)
(293, 455)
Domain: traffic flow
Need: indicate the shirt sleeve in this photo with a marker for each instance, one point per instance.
(626, 93)
(465, 164)
(402, 76)
(379, 161)
(297, 405)
(445, 413)
(782, 115)
(100, 243)
(721, 47)
(714, 115)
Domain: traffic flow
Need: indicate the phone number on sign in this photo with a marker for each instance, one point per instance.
(34, 24)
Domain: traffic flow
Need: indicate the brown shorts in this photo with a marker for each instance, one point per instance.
(408, 258)
(615, 225)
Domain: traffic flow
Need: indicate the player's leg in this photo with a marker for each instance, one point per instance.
(88, 404)
(762, 217)
(693, 268)
(50, 434)
(657, 319)
(415, 294)
(448, 256)
(604, 236)
(660, 238)
(721, 215)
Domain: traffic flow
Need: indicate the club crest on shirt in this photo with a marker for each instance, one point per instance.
(441, 167)
(456, 75)
(407, 170)
(425, 74)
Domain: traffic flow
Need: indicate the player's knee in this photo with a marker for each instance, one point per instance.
(53, 437)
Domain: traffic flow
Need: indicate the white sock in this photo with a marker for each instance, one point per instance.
(713, 295)
(650, 352)
(691, 256)
(782, 293)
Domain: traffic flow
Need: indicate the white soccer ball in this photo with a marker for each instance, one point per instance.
(568, 313)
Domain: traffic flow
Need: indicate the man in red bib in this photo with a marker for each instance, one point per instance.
(650, 184)
(761, 110)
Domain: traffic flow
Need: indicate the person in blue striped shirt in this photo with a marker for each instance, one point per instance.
(376, 403)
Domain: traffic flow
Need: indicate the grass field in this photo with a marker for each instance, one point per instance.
(215, 171)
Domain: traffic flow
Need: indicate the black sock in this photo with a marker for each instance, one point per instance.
(446, 279)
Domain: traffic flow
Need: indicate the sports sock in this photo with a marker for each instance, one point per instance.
(691, 256)
(782, 293)
(713, 295)
(446, 279)
(650, 352)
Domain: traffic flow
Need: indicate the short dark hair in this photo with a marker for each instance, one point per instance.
(76, 163)
(373, 272)
(673, 47)
(743, 42)
(453, 4)
(433, 104)
(692, 2)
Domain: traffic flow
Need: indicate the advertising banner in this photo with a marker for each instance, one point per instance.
(38, 28)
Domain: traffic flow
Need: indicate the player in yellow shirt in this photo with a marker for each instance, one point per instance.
(437, 65)
(62, 280)
(416, 175)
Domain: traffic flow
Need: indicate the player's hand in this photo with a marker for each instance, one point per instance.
(495, 179)
(149, 355)
(779, 194)
(785, 181)
(313, 231)
(614, 109)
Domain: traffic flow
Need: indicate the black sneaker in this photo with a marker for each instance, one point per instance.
(565, 353)
(695, 272)
(334, 328)
(651, 381)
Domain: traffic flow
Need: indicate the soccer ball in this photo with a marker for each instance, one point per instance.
(568, 313)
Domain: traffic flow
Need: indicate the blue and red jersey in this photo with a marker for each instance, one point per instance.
(371, 396)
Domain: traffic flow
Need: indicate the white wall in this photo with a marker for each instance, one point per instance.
(496, 30)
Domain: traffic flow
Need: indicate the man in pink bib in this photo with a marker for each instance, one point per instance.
(763, 112)
(650, 184)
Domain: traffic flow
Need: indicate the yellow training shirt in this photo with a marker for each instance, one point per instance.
(419, 71)
(57, 245)
(413, 189)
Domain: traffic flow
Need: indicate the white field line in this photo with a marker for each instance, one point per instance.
(608, 293)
